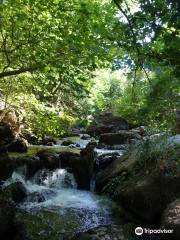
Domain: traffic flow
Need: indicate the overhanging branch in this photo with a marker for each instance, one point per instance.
(19, 71)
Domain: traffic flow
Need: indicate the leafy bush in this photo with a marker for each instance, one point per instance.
(157, 151)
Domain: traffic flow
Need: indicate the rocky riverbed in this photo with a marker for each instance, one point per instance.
(98, 186)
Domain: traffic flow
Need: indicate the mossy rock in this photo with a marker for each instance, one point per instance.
(15, 191)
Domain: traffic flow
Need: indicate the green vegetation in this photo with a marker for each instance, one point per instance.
(63, 62)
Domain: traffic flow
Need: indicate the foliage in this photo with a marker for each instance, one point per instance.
(111, 187)
(50, 123)
(49, 51)
(57, 41)
(148, 33)
(158, 150)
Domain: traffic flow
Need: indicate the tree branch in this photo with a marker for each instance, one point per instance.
(134, 38)
(19, 71)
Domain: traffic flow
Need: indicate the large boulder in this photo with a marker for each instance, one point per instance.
(120, 137)
(18, 145)
(6, 166)
(119, 166)
(15, 191)
(148, 197)
(171, 219)
(106, 122)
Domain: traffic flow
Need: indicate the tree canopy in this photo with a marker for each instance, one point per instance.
(50, 52)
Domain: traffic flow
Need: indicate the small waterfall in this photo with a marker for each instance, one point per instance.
(58, 178)
(17, 176)
(53, 199)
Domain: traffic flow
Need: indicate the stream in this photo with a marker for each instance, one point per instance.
(54, 208)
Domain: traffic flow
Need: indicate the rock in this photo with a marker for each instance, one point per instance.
(178, 121)
(148, 197)
(67, 142)
(15, 191)
(107, 123)
(32, 165)
(18, 145)
(104, 160)
(49, 141)
(88, 159)
(48, 159)
(171, 219)
(35, 197)
(75, 164)
(109, 232)
(7, 214)
(20, 232)
(80, 165)
(122, 164)
(3, 149)
(120, 137)
(6, 133)
(6, 166)
(29, 136)
(85, 136)
(174, 139)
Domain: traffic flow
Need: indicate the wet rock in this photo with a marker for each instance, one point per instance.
(78, 167)
(6, 166)
(81, 165)
(107, 123)
(110, 232)
(44, 224)
(36, 197)
(88, 158)
(171, 219)
(7, 214)
(18, 145)
(15, 191)
(148, 197)
(120, 137)
(48, 159)
(31, 163)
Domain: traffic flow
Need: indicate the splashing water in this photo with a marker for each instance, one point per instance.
(54, 192)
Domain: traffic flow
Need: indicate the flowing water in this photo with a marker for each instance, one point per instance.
(55, 209)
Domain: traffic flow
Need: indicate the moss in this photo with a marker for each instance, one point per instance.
(32, 151)
(47, 225)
